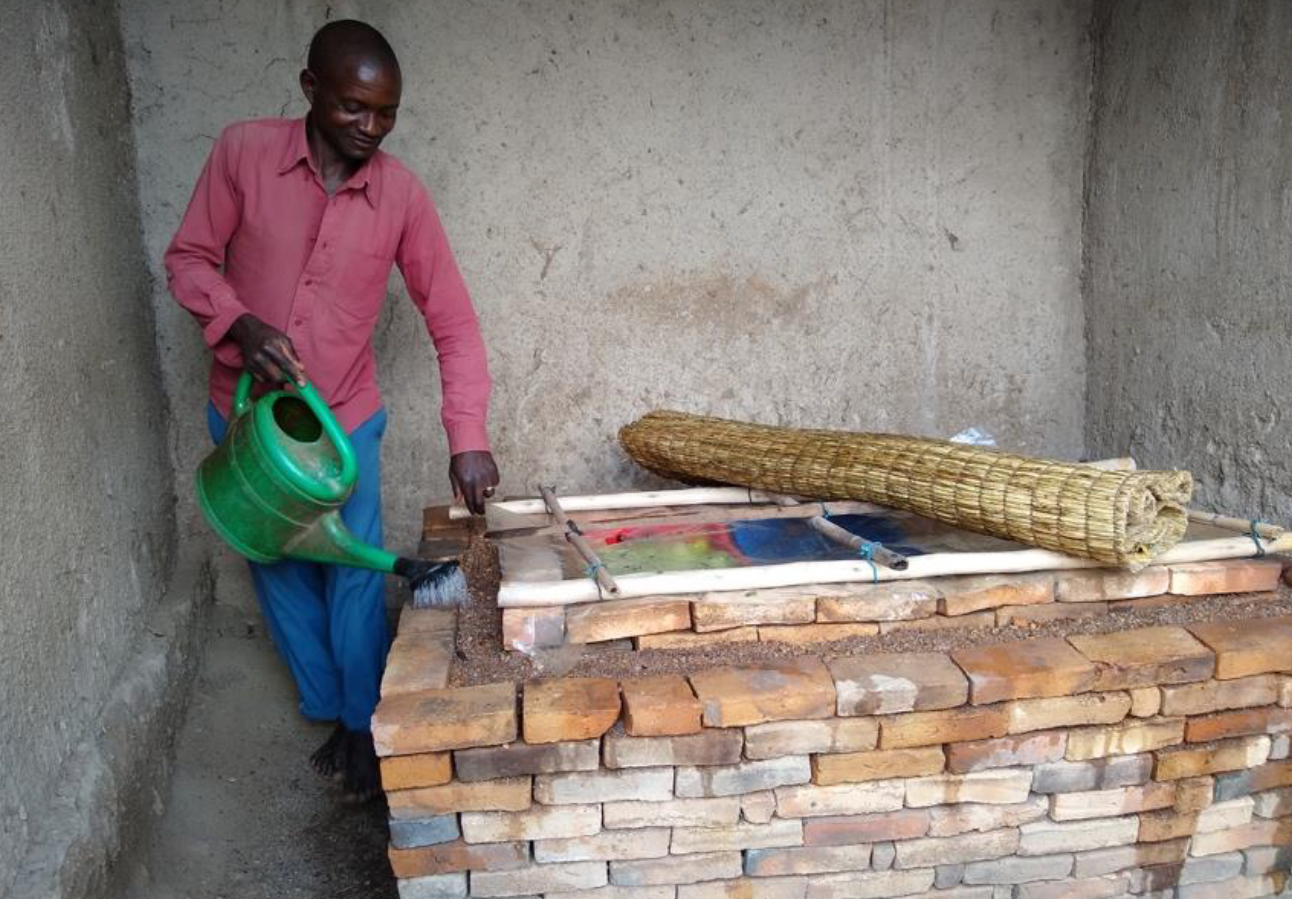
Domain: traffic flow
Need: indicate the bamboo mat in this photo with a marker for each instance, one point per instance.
(1123, 518)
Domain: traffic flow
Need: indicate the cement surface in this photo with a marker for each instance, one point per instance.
(87, 534)
(243, 814)
(1189, 242)
(836, 214)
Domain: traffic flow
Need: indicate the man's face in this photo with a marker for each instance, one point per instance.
(353, 105)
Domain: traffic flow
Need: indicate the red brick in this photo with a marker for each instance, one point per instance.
(1250, 646)
(689, 640)
(426, 769)
(1024, 670)
(855, 767)
(1035, 616)
(1145, 657)
(1237, 724)
(807, 634)
(1004, 752)
(418, 661)
(948, 726)
(613, 620)
(1099, 584)
(569, 708)
(446, 858)
(883, 683)
(772, 691)
(661, 706)
(972, 621)
(511, 794)
(1229, 576)
(1228, 755)
(973, 593)
(721, 611)
(849, 830)
(435, 720)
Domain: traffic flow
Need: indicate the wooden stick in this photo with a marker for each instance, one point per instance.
(686, 496)
(831, 531)
(1243, 526)
(605, 583)
(568, 592)
(598, 502)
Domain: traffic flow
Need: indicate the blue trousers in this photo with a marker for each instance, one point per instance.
(329, 621)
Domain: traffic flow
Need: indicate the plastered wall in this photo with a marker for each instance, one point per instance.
(88, 529)
(1189, 237)
(853, 214)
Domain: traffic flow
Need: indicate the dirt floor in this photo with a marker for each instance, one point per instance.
(243, 816)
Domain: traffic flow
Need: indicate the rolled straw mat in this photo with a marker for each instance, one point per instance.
(1122, 518)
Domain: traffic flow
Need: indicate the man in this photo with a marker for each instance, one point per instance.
(283, 257)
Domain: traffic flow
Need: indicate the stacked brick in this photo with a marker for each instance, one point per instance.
(1151, 763)
(818, 613)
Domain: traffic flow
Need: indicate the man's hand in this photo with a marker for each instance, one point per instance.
(267, 352)
(473, 475)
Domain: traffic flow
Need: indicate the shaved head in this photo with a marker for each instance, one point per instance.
(352, 82)
(349, 41)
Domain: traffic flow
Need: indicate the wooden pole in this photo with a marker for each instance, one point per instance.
(1243, 526)
(568, 592)
(606, 584)
(686, 496)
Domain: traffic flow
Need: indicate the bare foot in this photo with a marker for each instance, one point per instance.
(327, 759)
(362, 774)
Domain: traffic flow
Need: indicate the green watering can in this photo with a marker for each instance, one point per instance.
(273, 489)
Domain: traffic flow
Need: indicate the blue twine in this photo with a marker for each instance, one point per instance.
(591, 573)
(867, 552)
(1260, 550)
(825, 512)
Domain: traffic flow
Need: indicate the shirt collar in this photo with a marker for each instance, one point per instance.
(297, 150)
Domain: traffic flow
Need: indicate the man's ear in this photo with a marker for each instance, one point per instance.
(309, 84)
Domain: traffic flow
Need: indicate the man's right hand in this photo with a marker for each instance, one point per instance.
(267, 352)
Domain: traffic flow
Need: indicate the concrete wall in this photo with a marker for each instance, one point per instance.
(863, 215)
(1189, 236)
(88, 530)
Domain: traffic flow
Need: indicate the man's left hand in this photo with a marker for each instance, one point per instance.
(473, 475)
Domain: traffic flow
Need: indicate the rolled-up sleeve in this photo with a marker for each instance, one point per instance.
(436, 287)
(196, 254)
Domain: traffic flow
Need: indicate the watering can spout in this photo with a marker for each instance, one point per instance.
(274, 487)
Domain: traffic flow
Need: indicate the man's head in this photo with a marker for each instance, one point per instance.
(352, 83)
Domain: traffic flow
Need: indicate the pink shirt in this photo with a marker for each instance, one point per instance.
(262, 236)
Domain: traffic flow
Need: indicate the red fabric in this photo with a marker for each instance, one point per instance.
(262, 236)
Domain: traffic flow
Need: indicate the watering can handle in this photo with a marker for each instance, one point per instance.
(331, 427)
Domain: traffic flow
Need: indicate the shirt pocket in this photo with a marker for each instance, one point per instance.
(361, 279)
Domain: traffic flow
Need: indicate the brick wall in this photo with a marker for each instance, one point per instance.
(1150, 763)
(818, 613)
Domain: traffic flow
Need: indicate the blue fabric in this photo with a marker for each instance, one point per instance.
(329, 621)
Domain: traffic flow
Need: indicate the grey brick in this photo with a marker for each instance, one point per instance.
(747, 777)
(947, 876)
(1019, 870)
(413, 832)
(435, 886)
(1211, 868)
(1096, 774)
(1266, 859)
(882, 855)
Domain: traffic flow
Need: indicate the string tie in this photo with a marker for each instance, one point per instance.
(1260, 549)
(867, 552)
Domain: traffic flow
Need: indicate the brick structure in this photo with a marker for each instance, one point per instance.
(1150, 763)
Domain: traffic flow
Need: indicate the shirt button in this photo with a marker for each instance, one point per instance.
(309, 282)
(299, 322)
